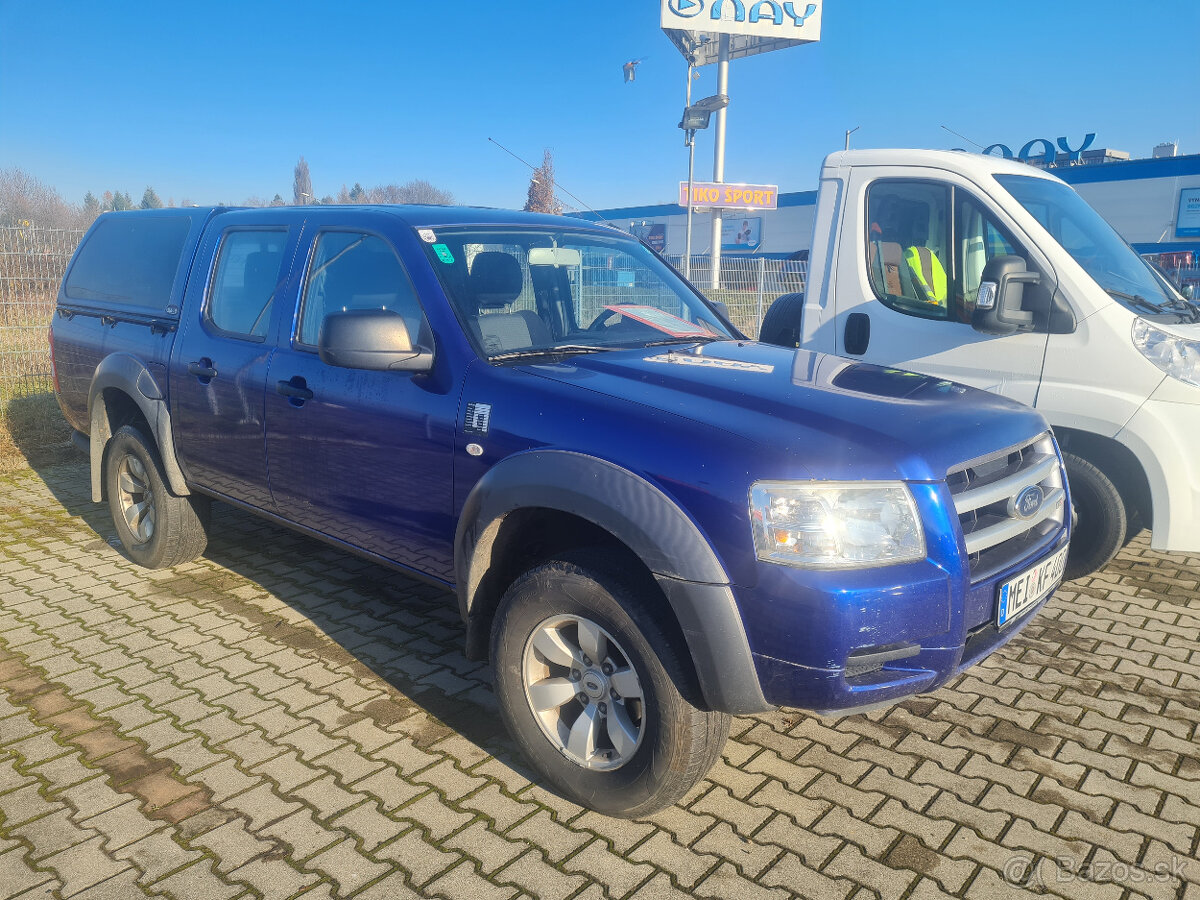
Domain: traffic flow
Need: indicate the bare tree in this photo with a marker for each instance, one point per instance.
(301, 184)
(541, 188)
(25, 199)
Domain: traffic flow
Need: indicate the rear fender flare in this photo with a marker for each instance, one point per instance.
(127, 374)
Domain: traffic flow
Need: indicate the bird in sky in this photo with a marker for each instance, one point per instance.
(630, 69)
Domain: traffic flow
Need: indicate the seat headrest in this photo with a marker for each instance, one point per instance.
(496, 279)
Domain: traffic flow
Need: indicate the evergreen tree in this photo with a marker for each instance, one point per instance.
(277, 200)
(150, 199)
(541, 188)
(91, 206)
(357, 193)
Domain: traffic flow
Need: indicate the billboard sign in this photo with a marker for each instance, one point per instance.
(741, 233)
(713, 195)
(1187, 223)
(754, 26)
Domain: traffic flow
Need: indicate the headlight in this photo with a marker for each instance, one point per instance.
(835, 524)
(1178, 357)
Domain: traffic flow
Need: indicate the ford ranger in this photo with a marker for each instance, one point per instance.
(650, 522)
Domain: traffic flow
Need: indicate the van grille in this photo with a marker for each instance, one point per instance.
(987, 494)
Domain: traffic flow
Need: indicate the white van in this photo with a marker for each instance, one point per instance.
(997, 274)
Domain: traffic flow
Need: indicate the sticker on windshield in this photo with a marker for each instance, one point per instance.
(662, 321)
(711, 362)
(444, 254)
(427, 235)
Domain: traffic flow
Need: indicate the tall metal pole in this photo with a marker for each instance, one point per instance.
(719, 155)
(691, 142)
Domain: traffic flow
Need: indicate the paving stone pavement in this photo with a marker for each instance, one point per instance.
(279, 719)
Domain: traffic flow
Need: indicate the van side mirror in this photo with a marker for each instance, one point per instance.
(375, 339)
(1188, 291)
(1001, 292)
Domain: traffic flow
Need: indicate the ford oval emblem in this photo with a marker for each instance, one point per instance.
(1028, 502)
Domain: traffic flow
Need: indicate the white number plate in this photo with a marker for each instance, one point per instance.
(1027, 589)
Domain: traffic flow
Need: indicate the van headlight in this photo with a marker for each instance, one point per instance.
(1178, 357)
(835, 524)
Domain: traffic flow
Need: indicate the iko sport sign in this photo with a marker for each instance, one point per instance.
(711, 195)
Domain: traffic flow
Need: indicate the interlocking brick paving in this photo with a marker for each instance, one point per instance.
(280, 719)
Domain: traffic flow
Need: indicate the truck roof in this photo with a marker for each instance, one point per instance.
(960, 161)
(411, 214)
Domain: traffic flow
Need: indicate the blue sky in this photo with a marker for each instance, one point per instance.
(215, 102)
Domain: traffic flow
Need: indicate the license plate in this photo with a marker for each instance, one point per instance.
(1029, 588)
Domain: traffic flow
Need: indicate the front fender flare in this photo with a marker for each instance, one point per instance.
(128, 374)
(644, 519)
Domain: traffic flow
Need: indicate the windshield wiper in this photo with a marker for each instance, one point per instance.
(1183, 307)
(695, 339)
(537, 352)
(1137, 299)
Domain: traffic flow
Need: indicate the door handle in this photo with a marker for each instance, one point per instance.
(295, 389)
(202, 368)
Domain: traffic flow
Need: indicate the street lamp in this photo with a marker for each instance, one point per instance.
(695, 118)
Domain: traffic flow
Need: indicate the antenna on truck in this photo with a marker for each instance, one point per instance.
(559, 186)
(963, 136)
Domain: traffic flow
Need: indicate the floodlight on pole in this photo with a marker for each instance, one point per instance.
(695, 118)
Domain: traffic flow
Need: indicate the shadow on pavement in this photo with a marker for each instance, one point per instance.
(373, 620)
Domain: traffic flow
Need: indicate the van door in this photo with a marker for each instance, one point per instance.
(909, 277)
(219, 367)
(361, 456)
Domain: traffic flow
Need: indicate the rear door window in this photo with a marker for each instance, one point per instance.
(245, 281)
(130, 260)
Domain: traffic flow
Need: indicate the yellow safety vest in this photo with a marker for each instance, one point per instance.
(928, 275)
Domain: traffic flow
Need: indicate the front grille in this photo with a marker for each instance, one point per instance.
(986, 491)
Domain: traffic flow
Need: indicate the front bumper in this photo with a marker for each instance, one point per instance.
(839, 642)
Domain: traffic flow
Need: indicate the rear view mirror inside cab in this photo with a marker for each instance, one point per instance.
(554, 256)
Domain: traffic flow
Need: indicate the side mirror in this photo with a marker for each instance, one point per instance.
(375, 339)
(722, 308)
(1188, 291)
(1001, 292)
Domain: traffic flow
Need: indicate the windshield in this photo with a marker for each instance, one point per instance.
(1092, 243)
(524, 293)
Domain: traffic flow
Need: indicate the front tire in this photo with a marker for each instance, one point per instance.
(596, 693)
(1100, 518)
(157, 528)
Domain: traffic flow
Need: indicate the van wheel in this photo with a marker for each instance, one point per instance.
(781, 324)
(596, 693)
(1099, 518)
(157, 528)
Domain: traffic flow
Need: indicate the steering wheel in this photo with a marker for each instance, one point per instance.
(603, 322)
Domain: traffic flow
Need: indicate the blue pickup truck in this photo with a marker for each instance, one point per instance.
(649, 521)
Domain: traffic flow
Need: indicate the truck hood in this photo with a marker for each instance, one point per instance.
(836, 418)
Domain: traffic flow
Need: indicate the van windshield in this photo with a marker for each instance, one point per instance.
(523, 294)
(1093, 243)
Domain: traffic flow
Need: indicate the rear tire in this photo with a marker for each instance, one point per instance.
(1100, 518)
(157, 528)
(781, 324)
(623, 734)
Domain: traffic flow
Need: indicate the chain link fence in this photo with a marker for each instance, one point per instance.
(748, 285)
(32, 262)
